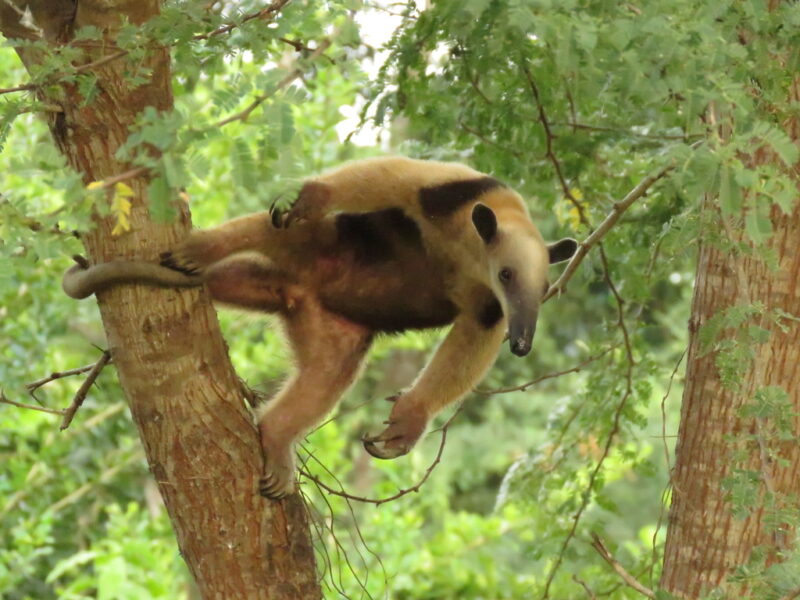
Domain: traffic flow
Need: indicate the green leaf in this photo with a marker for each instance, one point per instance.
(174, 170)
(757, 224)
(730, 196)
(87, 85)
(244, 168)
(782, 144)
(160, 201)
(87, 32)
(76, 560)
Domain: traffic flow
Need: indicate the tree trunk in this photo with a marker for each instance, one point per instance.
(724, 451)
(185, 398)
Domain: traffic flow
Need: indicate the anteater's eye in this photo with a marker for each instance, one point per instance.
(505, 275)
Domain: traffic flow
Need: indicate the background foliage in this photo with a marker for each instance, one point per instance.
(572, 103)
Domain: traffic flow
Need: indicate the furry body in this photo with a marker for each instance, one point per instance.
(380, 245)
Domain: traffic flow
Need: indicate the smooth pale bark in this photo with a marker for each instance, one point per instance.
(185, 398)
(705, 542)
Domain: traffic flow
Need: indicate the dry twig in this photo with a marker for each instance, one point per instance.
(402, 492)
(243, 114)
(549, 138)
(269, 11)
(80, 395)
(587, 495)
(263, 13)
(585, 586)
(35, 385)
(525, 386)
(52, 411)
(616, 212)
(629, 579)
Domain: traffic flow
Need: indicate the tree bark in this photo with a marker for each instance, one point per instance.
(705, 541)
(185, 397)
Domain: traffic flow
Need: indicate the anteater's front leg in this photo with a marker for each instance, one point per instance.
(459, 363)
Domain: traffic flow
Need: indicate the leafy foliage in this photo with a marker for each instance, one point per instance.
(572, 103)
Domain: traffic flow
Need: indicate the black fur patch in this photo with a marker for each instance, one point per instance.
(490, 313)
(383, 321)
(443, 200)
(373, 236)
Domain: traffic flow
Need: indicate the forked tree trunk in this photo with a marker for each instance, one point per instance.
(705, 541)
(185, 398)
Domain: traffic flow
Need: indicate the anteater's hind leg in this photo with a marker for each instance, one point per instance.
(251, 282)
(329, 351)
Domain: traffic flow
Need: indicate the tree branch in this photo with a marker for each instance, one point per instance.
(269, 11)
(242, 115)
(525, 386)
(35, 385)
(626, 132)
(615, 428)
(629, 579)
(52, 411)
(604, 227)
(549, 137)
(402, 492)
(80, 395)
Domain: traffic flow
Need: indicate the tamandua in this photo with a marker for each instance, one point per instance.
(376, 246)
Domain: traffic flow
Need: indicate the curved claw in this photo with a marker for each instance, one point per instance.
(384, 452)
(169, 260)
(271, 487)
(390, 443)
(278, 480)
(404, 427)
(277, 218)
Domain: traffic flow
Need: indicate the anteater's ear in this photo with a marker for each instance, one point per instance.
(485, 222)
(562, 250)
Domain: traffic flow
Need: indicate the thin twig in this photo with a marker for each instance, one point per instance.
(269, 11)
(620, 313)
(357, 528)
(525, 386)
(627, 132)
(52, 411)
(240, 116)
(629, 579)
(664, 436)
(80, 395)
(549, 138)
(55, 375)
(616, 212)
(486, 140)
(402, 492)
(587, 495)
(585, 586)
(243, 114)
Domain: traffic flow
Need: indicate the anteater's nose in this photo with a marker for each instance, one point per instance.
(520, 346)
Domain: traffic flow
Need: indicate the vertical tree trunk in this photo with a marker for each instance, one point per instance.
(705, 541)
(184, 396)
